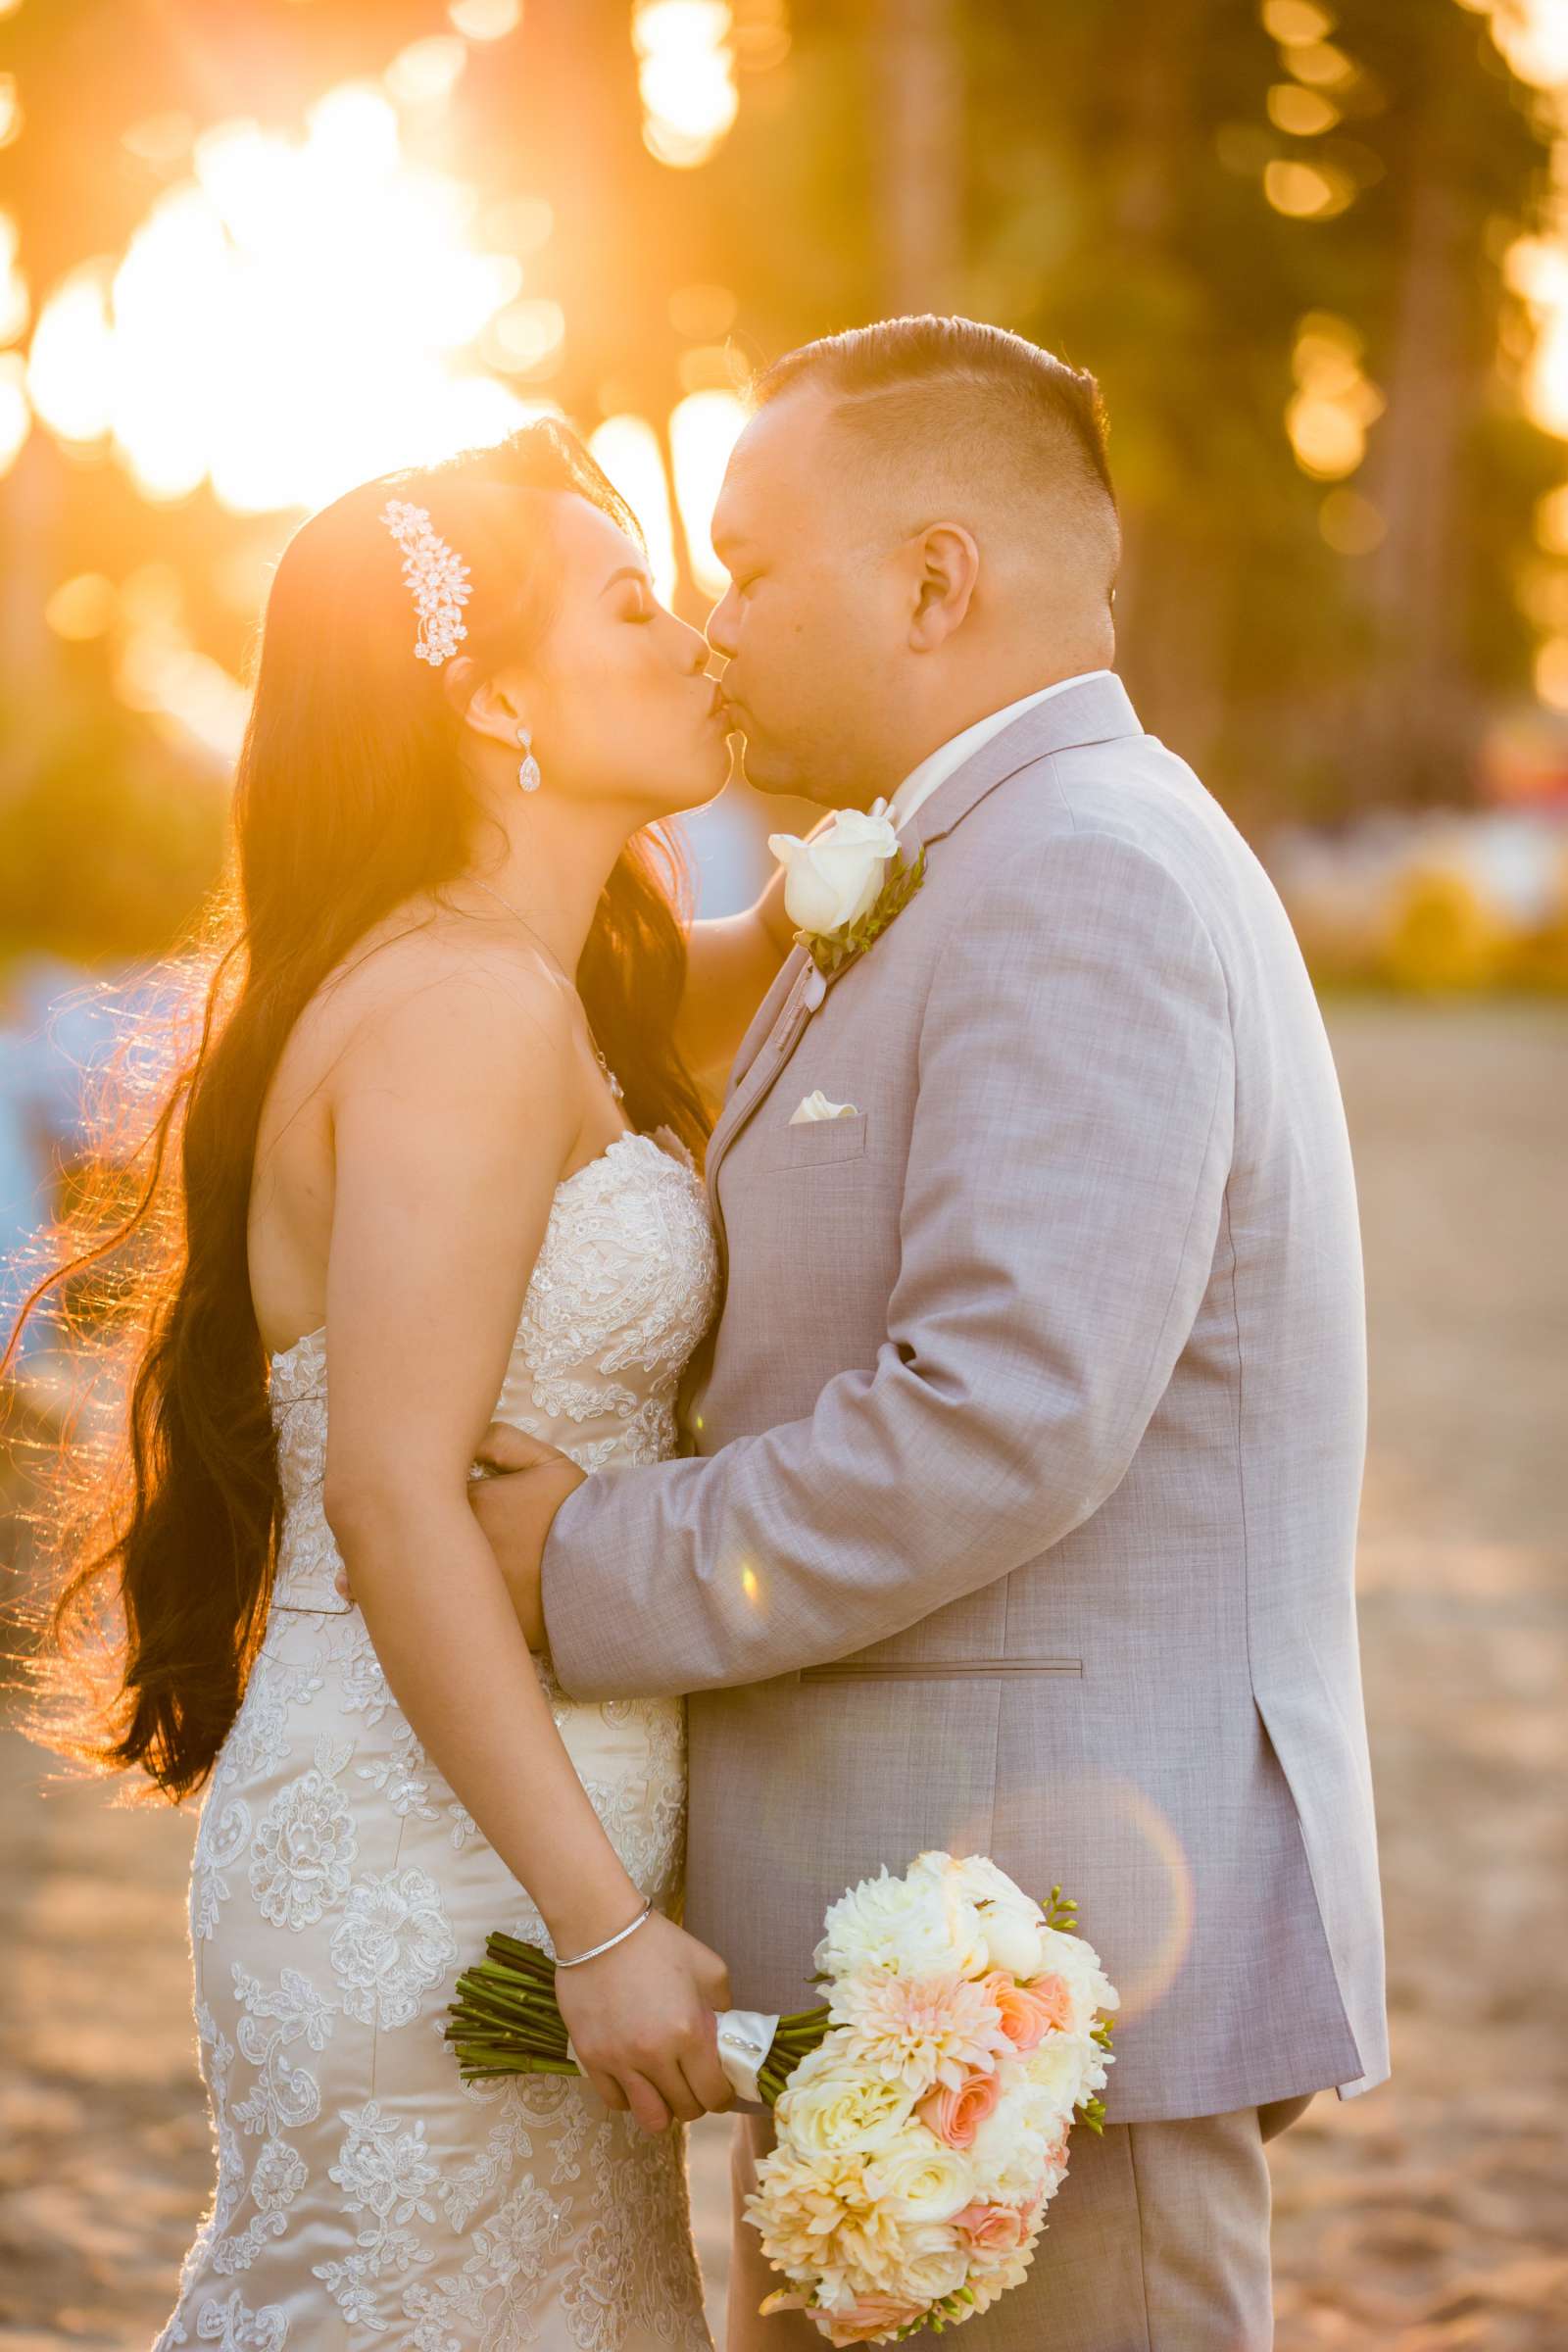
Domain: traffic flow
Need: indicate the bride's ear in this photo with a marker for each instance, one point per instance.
(458, 682)
(481, 703)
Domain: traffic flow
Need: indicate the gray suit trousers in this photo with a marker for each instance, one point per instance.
(1157, 2242)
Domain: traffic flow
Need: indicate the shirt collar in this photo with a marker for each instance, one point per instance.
(946, 761)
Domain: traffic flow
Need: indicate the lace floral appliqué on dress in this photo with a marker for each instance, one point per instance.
(365, 2195)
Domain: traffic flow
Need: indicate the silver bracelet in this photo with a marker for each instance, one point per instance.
(611, 1942)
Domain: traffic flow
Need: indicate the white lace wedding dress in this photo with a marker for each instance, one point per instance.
(365, 2195)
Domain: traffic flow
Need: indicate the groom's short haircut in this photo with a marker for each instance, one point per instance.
(953, 401)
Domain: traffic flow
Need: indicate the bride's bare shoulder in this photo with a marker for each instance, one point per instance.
(444, 984)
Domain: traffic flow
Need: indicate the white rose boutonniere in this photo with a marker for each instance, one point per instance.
(844, 886)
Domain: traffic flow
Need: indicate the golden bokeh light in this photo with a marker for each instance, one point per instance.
(82, 608)
(1322, 66)
(1540, 591)
(1552, 672)
(299, 313)
(526, 336)
(11, 116)
(1535, 268)
(627, 448)
(1307, 191)
(1546, 377)
(15, 306)
(1302, 114)
(71, 357)
(1334, 405)
(686, 78)
(485, 19)
(290, 321)
(1551, 520)
(159, 671)
(1327, 440)
(703, 313)
(1532, 37)
(762, 35)
(427, 71)
(16, 410)
(703, 428)
(1295, 23)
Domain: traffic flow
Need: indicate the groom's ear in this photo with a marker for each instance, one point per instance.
(945, 564)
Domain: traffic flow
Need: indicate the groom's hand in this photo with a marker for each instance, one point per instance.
(516, 1507)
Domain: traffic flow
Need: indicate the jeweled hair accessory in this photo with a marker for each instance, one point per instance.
(438, 577)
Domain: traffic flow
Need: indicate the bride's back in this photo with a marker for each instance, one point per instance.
(292, 1183)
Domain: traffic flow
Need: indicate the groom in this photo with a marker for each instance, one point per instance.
(1028, 1450)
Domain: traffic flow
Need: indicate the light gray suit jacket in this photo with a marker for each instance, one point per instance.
(1028, 1453)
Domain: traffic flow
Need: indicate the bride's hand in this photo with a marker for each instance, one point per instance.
(641, 2022)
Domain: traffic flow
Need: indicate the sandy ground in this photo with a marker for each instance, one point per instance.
(1426, 2217)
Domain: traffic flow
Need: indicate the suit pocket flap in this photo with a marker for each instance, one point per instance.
(915, 1670)
(815, 1142)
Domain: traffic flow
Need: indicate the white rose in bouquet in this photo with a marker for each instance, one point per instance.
(1008, 2156)
(918, 2178)
(1077, 1964)
(1066, 2068)
(936, 2262)
(1010, 1921)
(835, 2108)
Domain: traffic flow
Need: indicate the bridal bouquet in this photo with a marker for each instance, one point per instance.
(921, 2115)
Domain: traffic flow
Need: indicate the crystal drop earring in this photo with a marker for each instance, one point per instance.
(528, 776)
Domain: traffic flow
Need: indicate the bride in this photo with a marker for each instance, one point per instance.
(435, 1169)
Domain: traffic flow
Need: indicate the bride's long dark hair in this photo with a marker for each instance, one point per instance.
(351, 799)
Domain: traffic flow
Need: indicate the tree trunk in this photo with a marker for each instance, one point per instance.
(920, 159)
(1421, 721)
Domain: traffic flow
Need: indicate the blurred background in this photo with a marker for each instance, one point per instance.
(252, 251)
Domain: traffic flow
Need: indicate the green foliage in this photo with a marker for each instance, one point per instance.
(830, 954)
(109, 839)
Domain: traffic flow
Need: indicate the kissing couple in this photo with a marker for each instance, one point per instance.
(956, 1445)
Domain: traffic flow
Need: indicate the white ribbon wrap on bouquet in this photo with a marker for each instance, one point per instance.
(745, 2038)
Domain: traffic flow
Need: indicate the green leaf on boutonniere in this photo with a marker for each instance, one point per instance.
(830, 950)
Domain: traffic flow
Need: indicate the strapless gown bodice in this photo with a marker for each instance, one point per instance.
(622, 1291)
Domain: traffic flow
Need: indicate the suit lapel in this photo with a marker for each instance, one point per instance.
(1094, 713)
(764, 1050)
(786, 978)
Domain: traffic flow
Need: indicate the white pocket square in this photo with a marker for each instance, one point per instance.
(818, 1107)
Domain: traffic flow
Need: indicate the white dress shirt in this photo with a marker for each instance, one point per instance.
(938, 766)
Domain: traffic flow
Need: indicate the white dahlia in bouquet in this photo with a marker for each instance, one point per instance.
(922, 2114)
